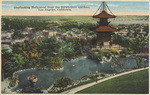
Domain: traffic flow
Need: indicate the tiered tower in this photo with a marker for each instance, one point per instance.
(104, 30)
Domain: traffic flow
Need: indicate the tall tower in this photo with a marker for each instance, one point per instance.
(104, 30)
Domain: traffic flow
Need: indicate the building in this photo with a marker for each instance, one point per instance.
(104, 31)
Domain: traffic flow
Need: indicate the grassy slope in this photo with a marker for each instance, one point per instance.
(132, 83)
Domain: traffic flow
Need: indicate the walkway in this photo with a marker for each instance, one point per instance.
(74, 90)
(142, 54)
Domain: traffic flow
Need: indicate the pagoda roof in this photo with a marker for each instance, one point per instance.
(105, 29)
(104, 14)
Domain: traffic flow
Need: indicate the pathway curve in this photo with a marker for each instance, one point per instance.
(74, 90)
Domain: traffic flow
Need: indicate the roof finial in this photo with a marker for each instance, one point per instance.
(103, 5)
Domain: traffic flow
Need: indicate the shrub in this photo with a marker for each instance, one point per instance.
(85, 77)
(63, 82)
(139, 61)
(13, 81)
(114, 51)
(102, 74)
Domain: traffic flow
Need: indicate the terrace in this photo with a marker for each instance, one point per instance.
(107, 46)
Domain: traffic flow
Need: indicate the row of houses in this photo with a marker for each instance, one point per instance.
(7, 41)
(73, 33)
(124, 32)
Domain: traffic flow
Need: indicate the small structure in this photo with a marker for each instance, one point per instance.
(32, 79)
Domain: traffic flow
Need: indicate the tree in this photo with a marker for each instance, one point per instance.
(135, 33)
(18, 48)
(77, 48)
(51, 62)
(5, 24)
(83, 42)
(19, 61)
(50, 46)
(69, 25)
(17, 34)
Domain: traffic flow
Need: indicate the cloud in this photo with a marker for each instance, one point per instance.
(66, 4)
(7, 5)
(112, 5)
(85, 4)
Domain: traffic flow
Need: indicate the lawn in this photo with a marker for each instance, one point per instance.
(132, 83)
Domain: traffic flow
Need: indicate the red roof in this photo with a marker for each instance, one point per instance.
(104, 14)
(58, 34)
(27, 39)
(40, 37)
(45, 33)
(105, 29)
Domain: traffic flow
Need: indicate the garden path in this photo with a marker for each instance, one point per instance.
(74, 90)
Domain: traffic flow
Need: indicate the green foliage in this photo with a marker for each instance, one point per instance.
(34, 54)
(38, 25)
(69, 25)
(102, 74)
(18, 48)
(71, 49)
(115, 51)
(17, 34)
(8, 69)
(6, 54)
(93, 76)
(98, 54)
(37, 53)
(126, 52)
(19, 61)
(20, 24)
(16, 24)
(52, 62)
(13, 81)
(63, 82)
(87, 26)
(139, 61)
(50, 47)
(138, 42)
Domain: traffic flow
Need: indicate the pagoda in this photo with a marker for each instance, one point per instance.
(104, 31)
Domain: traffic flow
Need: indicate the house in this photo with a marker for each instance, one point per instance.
(25, 33)
(45, 33)
(123, 32)
(5, 45)
(19, 40)
(52, 33)
(49, 33)
(28, 29)
(6, 41)
(26, 40)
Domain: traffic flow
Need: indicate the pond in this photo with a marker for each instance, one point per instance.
(73, 69)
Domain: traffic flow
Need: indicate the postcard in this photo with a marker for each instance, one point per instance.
(74, 47)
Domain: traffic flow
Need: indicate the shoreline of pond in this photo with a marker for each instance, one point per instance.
(54, 70)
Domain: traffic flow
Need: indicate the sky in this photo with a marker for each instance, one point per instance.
(116, 7)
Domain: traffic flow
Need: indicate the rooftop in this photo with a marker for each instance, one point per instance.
(105, 29)
(104, 14)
